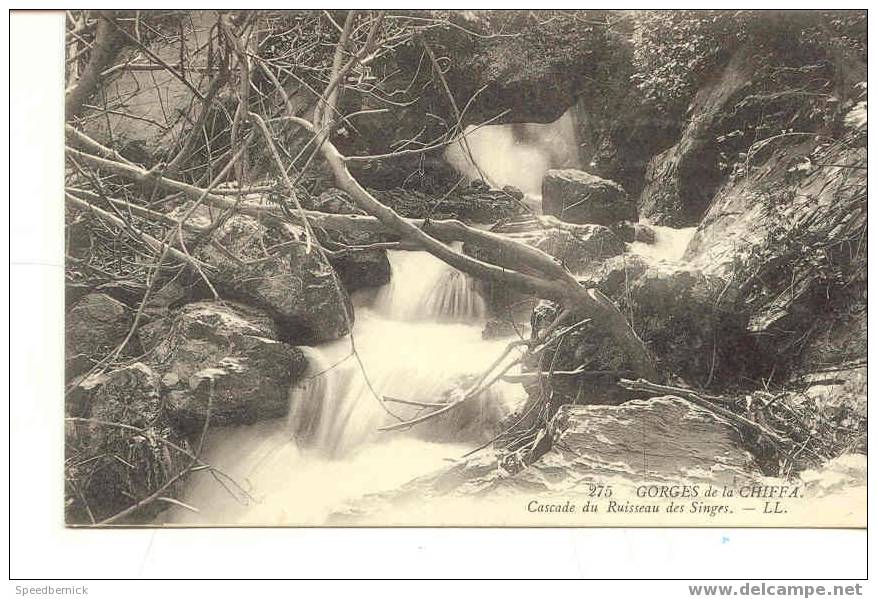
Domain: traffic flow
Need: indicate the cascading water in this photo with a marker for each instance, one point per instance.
(419, 340)
(418, 344)
(518, 154)
(669, 243)
(421, 289)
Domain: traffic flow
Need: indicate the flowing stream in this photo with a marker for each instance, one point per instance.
(418, 339)
(669, 243)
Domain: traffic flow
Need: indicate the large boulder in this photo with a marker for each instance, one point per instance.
(224, 359)
(630, 232)
(678, 439)
(575, 196)
(356, 266)
(269, 264)
(121, 450)
(655, 441)
(95, 326)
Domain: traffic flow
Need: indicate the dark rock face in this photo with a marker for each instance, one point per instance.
(534, 72)
(578, 197)
(630, 232)
(361, 269)
(506, 67)
(625, 231)
(273, 269)
(427, 172)
(643, 233)
(357, 268)
(680, 181)
(689, 321)
(95, 325)
(225, 357)
(790, 236)
(112, 467)
(625, 135)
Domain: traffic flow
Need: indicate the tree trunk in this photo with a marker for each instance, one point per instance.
(108, 42)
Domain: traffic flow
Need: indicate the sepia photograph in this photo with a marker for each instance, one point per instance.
(464, 268)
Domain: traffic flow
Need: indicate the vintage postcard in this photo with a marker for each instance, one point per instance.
(578, 268)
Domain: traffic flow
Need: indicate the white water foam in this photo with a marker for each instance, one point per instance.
(669, 244)
(424, 288)
(421, 342)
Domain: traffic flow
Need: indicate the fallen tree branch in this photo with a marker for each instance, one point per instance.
(80, 139)
(551, 280)
(555, 282)
(175, 234)
(526, 377)
(649, 387)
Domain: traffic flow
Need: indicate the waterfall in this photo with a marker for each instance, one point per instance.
(421, 337)
(419, 340)
(518, 154)
(422, 287)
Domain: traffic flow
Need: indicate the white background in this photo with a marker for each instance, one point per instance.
(41, 548)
